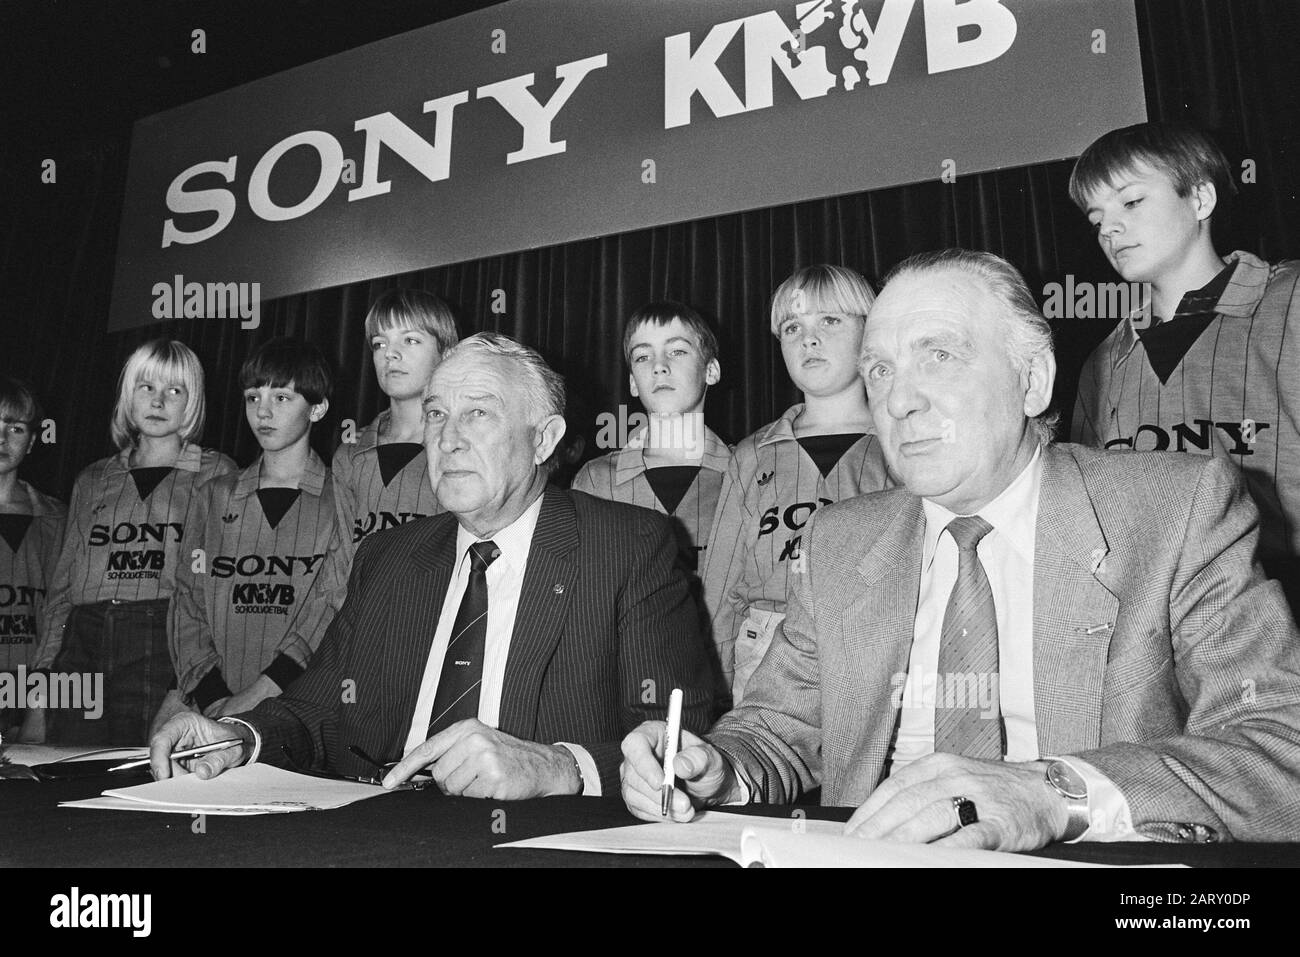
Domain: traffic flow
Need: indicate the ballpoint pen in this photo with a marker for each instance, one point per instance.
(672, 737)
(182, 755)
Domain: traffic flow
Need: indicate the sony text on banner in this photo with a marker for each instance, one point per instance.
(537, 122)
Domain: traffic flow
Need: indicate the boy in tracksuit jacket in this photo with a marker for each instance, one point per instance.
(1209, 364)
(265, 531)
(380, 475)
(31, 532)
(818, 452)
(673, 463)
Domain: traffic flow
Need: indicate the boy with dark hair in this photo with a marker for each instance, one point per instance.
(265, 531)
(673, 464)
(1213, 370)
(31, 533)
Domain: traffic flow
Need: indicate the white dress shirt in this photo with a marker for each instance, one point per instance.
(505, 583)
(1007, 554)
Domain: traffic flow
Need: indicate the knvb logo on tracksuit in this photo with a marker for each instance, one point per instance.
(18, 627)
(135, 562)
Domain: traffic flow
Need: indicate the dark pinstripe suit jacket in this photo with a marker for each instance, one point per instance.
(1161, 655)
(604, 631)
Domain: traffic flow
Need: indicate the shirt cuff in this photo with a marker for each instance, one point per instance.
(257, 738)
(1109, 816)
(587, 769)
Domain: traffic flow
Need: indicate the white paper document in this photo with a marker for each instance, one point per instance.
(251, 789)
(31, 754)
(777, 842)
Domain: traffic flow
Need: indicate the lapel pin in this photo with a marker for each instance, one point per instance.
(559, 589)
(1096, 628)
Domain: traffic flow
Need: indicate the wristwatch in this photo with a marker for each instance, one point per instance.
(1071, 786)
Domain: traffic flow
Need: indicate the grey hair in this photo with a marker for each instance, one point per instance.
(1028, 334)
(542, 384)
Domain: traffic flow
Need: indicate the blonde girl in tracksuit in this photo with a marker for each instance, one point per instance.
(130, 523)
(819, 451)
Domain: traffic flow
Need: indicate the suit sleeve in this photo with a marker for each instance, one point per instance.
(58, 599)
(773, 739)
(659, 642)
(1234, 772)
(302, 728)
(726, 563)
(189, 632)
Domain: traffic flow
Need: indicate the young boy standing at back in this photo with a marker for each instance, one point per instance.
(264, 533)
(1211, 365)
(674, 464)
(819, 451)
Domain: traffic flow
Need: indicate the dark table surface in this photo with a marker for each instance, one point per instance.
(411, 829)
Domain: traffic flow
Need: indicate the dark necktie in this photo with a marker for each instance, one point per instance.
(462, 666)
(968, 656)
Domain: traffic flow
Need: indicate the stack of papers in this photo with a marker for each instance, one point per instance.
(31, 754)
(778, 842)
(252, 789)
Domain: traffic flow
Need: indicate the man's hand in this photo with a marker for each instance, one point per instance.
(245, 700)
(473, 760)
(1017, 810)
(172, 705)
(33, 729)
(191, 730)
(704, 775)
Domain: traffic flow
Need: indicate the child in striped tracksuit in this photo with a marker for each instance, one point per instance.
(130, 524)
(672, 464)
(31, 532)
(1210, 365)
(818, 452)
(265, 531)
(380, 475)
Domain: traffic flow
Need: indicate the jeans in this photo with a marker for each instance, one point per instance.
(127, 642)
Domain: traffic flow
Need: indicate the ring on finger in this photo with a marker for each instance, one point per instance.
(966, 813)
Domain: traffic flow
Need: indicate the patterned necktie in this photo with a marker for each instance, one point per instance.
(462, 665)
(968, 656)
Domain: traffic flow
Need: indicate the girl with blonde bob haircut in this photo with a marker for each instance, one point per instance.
(172, 362)
(819, 451)
(129, 526)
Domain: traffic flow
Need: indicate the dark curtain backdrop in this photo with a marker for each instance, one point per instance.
(1228, 67)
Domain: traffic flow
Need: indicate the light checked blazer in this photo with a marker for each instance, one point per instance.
(1162, 656)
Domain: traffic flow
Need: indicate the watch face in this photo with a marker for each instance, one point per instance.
(1063, 778)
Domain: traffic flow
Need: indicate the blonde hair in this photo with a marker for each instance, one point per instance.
(821, 289)
(172, 362)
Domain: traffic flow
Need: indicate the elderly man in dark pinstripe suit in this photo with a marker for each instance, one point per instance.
(505, 646)
(1029, 642)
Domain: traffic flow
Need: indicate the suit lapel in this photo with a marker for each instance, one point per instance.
(878, 633)
(1074, 610)
(543, 603)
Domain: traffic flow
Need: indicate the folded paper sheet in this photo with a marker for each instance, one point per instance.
(777, 842)
(252, 789)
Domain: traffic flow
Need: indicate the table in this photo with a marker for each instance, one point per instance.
(412, 828)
